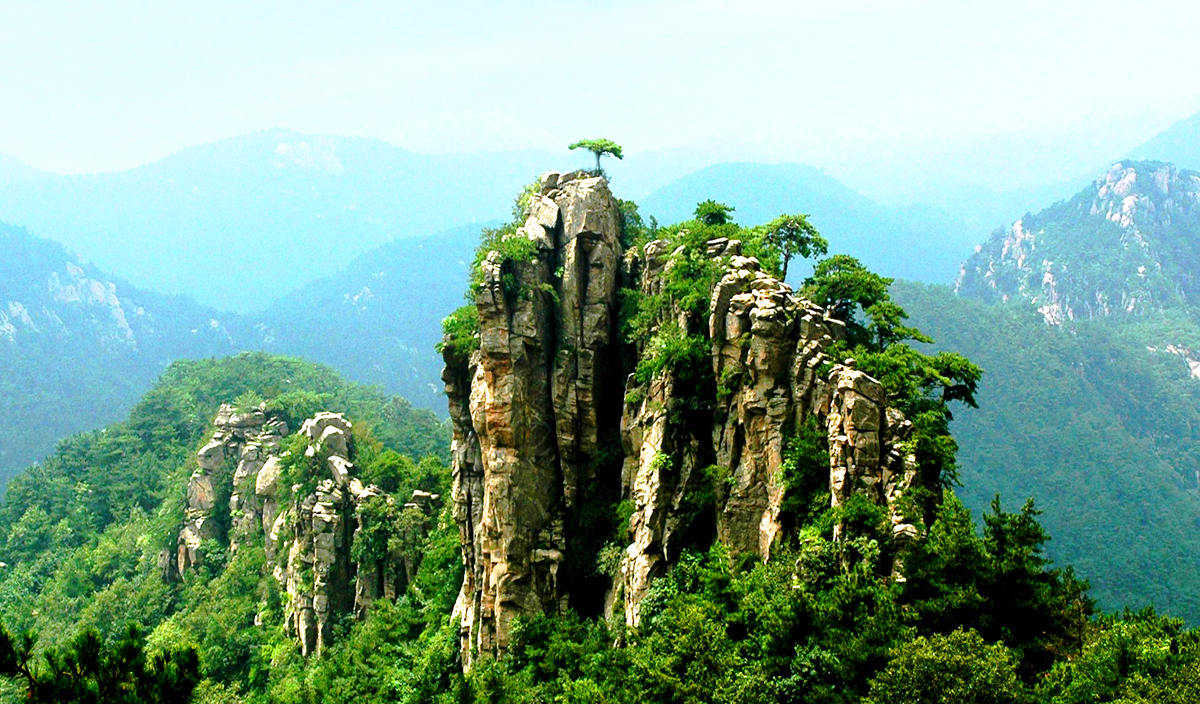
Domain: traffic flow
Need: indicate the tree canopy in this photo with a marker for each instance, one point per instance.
(93, 672)
(794, 235)
(710, 212)
(599, 148)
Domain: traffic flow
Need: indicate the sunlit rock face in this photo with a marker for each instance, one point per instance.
(529, 407)
(307, 529)
(547, 417)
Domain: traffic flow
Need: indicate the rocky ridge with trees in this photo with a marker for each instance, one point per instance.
(333, 543)
(558, 409)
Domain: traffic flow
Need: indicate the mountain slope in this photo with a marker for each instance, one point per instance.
(77, 347)
(1179, 144)
(1095, 427)
(916, 243)
(13, 170)
(1127, 244)
(238, 223)
(1084, 317)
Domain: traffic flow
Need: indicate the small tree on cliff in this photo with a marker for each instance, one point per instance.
(792, 235)
(710, 212)
(599, 147)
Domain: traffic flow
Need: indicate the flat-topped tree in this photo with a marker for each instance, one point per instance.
(599, 147)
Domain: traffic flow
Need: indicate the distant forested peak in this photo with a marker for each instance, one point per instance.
(1125, 245)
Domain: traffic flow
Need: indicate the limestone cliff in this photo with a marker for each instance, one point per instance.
(534, 406)
(242, 491)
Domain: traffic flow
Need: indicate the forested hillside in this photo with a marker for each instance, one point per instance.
(84, 533)
(1087, 339)
(1096, 422)
(673, 478)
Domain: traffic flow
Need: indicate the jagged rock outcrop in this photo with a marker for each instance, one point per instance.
(241, 444)
(1126, 245)
(768, 346)
(307, 528)
(531, 406)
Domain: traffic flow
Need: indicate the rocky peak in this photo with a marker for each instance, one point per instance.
(308, 527)
(529, 406)
(532, 410)
(1126, 245)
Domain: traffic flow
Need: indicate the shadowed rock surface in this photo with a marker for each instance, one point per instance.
(533, 406)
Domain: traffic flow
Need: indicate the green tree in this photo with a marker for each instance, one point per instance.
(710, 212)
(599, 148)
(89, 672)
(844, 286)
(959, 668)
(794, 235)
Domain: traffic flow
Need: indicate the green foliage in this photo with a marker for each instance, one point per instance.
(844, 287)
(1000, 585)
(599, 148)
(633, 228)
(793, 235)
(959, 667)
(90, 671)
(805, 475)
(671, 348)
(1140, 657)
(919, 385)
(710, 212)
(1087, 419)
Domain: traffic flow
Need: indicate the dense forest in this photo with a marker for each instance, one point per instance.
(972, 611)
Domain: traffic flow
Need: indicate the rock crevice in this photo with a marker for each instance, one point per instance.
(532, 407)
(307, 529)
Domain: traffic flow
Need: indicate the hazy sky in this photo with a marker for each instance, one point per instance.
(88, 86)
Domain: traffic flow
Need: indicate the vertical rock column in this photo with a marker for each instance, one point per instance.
(658, 468)
(525, 406)
(247, 438)
(868, 453)
(767, 343)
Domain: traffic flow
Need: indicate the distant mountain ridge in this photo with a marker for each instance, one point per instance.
(1179, 144)
(388, 304)
(238, 223)
(1127, 244)
(914, 243)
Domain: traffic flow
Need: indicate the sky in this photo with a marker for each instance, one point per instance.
(849, 85)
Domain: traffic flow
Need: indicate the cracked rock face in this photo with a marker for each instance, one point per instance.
(530, 407)
(241, 444)
(768, 347)
(307, 537)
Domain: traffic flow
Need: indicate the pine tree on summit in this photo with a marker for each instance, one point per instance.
(599, 148)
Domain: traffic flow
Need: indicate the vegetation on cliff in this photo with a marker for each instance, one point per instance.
(862, 599)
